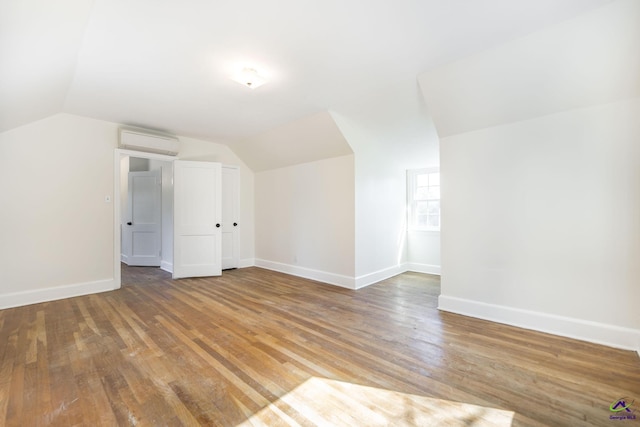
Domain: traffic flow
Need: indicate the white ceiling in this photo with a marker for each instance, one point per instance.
(304, 140)
(165, 64)
(590, 60)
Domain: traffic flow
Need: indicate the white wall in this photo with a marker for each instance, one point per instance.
(423, 251)
(540, 178)
(540, 219)
(56, 228)
(305, 220)
(381, 217)
(386, 144)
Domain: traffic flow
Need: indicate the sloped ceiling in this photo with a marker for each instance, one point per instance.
(589, 60)
(39, 43)
(166, 64)
(304, 140)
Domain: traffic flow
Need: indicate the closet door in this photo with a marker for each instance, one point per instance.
(230, 217)
(197, 219)
(141, 233)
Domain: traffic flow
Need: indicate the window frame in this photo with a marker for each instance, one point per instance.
(412, 202)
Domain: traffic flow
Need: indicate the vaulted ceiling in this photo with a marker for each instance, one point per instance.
(165, 64)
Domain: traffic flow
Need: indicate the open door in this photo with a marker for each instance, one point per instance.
(141, 231)
(230, 217)
(197, 219)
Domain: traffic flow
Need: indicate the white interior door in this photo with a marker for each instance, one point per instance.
(230, 217)
(197, 219)
(142, 229)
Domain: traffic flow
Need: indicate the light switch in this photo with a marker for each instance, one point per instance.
(107, 199)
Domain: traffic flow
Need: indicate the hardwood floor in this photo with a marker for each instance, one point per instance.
(256, 347)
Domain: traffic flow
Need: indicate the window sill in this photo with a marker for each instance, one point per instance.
(423, 231)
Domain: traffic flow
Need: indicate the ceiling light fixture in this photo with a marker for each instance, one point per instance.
(249, 77)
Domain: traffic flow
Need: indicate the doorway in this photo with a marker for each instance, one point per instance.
(193, 225)
(146, 196)
(139, 163)
(141, 223)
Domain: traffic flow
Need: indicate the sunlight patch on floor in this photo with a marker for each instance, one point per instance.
(327, 402)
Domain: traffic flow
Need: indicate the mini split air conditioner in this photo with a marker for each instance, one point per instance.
(139, 141)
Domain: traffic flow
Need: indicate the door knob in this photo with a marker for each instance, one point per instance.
(129, 223)
(235, 224)
(217, 225)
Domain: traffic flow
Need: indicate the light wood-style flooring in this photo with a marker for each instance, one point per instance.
(256, 347)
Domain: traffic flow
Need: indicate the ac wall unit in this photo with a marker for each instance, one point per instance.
(138, 141)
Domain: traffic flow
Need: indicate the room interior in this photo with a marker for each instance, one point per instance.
(529, 110)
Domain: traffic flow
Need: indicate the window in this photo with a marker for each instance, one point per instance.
(424, 199)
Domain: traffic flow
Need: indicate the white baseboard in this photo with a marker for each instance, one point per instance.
(376, 276)
(166, 266)
(308, 273)
(422, 268)
(247, 262)
(17, 299)
(595, 332)
(346, 281)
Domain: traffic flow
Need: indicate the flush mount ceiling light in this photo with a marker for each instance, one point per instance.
(249, 77)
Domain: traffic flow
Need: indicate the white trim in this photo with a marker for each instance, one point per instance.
(117, 219)
(342, 280)
(308, 273)
(247, 262)
(419, 231)
(422, 268)
(585, 330)
(377, 276)
(144, 155)
(166, 266)
(124, 258)
(238, 230)
(17, 299)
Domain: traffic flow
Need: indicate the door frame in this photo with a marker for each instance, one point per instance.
(236, 208)
(117, 214)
